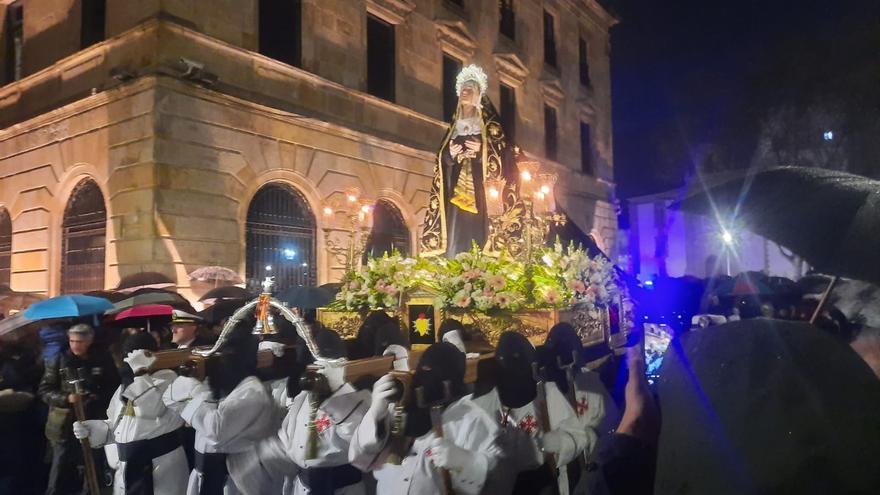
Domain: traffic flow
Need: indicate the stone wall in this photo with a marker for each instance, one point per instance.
(178, 160)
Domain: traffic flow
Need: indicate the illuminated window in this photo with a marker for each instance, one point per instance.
(280, 238)
(84, 238)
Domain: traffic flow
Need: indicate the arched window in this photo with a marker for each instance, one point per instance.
(389, 231)
(5, 247)
(280, 238)
(84, 234)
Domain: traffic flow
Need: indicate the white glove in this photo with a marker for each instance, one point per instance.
(383, 389)
(333, 374)
(186, 387)
(139, 360)
(80, 430)
(401, 356)
(551, 442)
(454, 338)
(277, 348)
(446, 454)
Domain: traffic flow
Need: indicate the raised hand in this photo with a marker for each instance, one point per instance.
(383, 390)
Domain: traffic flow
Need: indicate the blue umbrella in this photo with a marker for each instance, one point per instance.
(67, 307)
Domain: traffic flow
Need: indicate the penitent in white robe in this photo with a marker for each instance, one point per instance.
(336, 420)
(464, 423)
(151, 419)
(231, 426)
(520, 429)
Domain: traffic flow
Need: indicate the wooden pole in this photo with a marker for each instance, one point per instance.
(88, 459)
(824, 299)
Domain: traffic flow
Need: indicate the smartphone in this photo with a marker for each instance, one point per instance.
(657, 339)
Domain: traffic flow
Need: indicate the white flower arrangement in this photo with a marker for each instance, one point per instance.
(378, 284)
(591, 282)
(474, 280)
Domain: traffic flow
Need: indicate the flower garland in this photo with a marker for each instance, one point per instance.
(378, 284)
(475, 280)
(589, 282)
(562, 276)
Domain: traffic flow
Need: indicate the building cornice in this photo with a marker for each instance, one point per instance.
(455, 39)
(392, 11)
(511, 69)
(592, 11)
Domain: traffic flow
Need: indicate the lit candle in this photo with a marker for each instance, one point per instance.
(528, 171)
(494, 196)
(539, 202)
(548, 184)
(365, 215)
(329, 215)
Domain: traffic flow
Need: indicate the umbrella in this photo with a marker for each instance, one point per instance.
(305, 297)
(144, 280)
(228, 292)
(744, 284)
(110, 295)
(16, 323)
(144, 315)
(151, 296)
(70, 306)
(18, 300)
(144, 311)
(221, 309)
(216, 275)
(332, 288)
(827, 217)
(767, 406)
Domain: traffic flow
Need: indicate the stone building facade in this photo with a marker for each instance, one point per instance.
(139, 135)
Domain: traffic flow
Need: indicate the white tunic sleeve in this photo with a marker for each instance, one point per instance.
(146, 392)
(563, 419)
(222, 423)
(368, 441)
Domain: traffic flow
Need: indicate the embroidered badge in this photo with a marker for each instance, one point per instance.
(322, 423)
(582, 406)
(528, 424)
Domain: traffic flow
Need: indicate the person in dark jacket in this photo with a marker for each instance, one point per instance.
(100, 379)
(21, 419)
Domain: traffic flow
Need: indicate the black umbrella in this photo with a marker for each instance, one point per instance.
(152, 296)
(110, 295)
(767, 406)
(227, 292)
(829, 218)
(221, 309)
(305, 297)
(145, 280)
(332, 288)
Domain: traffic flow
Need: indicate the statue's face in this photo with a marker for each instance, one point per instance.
(469, 95)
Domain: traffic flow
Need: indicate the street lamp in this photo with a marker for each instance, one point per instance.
(729, 242)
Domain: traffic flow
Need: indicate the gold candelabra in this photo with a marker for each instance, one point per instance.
(352, 215)
(533, 214)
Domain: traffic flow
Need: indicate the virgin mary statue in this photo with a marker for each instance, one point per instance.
(473, 152)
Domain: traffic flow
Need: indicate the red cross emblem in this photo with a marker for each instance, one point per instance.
(528, 424)
(582, 406)
(322, 423)
(428, 453)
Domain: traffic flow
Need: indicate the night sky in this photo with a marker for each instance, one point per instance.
(682, 70)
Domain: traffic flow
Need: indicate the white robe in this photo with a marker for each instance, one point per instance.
(464, 423)
(337, 419)
(599, 416)
(151, 419)
(231, 426)
(518, 438)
